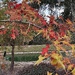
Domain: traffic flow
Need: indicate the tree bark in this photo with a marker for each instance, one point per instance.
(73, 9)
(12, 56)
(67, 9)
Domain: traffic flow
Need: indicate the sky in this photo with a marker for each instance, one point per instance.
(0, 0)
(19, 1)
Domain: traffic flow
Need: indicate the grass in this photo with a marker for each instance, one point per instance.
(24, 57)
(30, 48)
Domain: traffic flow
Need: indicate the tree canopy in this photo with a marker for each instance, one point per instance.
(25, 21)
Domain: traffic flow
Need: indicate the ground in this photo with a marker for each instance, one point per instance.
(18, 66)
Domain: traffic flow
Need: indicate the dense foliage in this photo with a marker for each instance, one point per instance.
(26, 21)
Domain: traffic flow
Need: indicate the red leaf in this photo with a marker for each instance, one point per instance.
(17, 6)
(14, 33)
(13, 36)
(45, 50)
(51, 19)
(47, 45)
(44, 22)
(53, 35)
(18, 17)
(62, 30)
(61, 33)
(3, 32)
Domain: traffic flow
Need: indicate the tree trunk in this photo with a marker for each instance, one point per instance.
(12, 57)
(73, 9)
(67, 9)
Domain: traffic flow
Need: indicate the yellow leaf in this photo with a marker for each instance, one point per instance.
(69, 34)
(56, 42)
(56, 74)
(61, 63)
(65, 42)
(70, 67)
(56, 56)
(48, 73)
(40, 59)
(57, 60)
(66, 37)
(57, 48)
(73, 71)
(31, 1)
(53, 62)
(73, 47)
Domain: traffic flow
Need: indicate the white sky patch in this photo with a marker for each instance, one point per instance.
(46, 10)
(0, 0)
(19, 1)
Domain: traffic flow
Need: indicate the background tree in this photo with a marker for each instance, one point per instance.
(73, 8)
(69, 9)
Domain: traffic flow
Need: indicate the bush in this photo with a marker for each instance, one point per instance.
(24, 57)
(41, 69)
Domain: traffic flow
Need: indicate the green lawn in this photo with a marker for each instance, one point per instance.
(30, 48)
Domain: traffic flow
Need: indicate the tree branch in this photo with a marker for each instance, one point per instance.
(40, 27)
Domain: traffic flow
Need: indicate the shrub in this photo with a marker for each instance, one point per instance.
(25, 57)
(41, 69)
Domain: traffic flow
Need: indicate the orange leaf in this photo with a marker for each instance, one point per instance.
(70, 67)
(48, 73)
(39, 32)
(53, 35)
(66, 61)
(69, 22)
